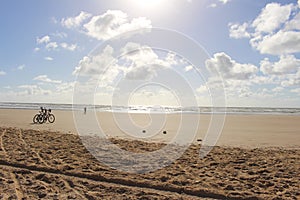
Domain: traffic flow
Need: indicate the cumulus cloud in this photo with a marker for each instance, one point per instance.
(144, 62)
(51, 46)
(296, 90)
(238, 30)
(138, 62)
(32, 90)
(293, 24)
(188, 68)
(274, 31)
(45, 40)
(48, 58)
(21, 67)
(224, 1)
(70, 47)
(283, 42)
(74, 22)
(44, 78)
(291, 80)
(112, 23)
(203, 89)
(278, 89)
(213, 5)
(2, 73)
(271, 17)
(230, 69)
(106, 25)
(60, 34)
(287, 64)
(95, 65)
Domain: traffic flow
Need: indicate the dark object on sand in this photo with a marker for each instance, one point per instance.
(144, 131)
(199, 140)
(164, 132)
(43, 116)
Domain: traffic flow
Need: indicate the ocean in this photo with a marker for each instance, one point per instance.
(154, 109)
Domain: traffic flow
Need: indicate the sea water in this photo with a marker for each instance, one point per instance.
(154, 109)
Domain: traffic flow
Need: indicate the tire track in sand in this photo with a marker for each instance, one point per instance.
(21, 136)
(3, 151)
(99, 178)
(20, 133)
(68, 185)
(17, 186)
(120, 181)
(16, 183)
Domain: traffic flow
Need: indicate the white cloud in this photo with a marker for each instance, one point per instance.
(60, 34)
(287, 64)
(70, 47)
(144, 62)
(293, 24)
(278, 89)
(95, 65)
(299, 3)
(271, 17)
(48, 58)
(224, 1)
(188, 68)
(296, 90)
(21, 67)
(213, 5)
(203, 90)
(136, 63)
(274, 31)
(66, 87)
(74, 22)
(51, 46)
(269, 79)
(44, 78)
(112, 23)
(280, 43)
(36, 49)
(45, 39)
(291, 80)
(238, 30)
(230, 69)
(32, 90)
(2, 73)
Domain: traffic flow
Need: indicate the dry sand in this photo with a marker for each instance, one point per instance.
(41, 161)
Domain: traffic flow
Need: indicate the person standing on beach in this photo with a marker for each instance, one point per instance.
(84, 110)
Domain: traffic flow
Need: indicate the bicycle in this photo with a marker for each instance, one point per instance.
(43, 116)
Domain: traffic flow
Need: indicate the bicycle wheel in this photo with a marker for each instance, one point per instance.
(51, 118)
(41, 119)
(36, 118)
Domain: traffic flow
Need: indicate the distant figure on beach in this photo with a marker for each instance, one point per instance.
(84, 110)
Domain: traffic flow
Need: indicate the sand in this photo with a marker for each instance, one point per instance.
(238, 131)
(257, 157)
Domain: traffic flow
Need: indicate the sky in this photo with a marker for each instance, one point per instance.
(49, 47)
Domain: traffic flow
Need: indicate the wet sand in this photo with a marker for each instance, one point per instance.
(258, 157)
(247, 131)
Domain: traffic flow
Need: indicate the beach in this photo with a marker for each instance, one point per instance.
(256, 157)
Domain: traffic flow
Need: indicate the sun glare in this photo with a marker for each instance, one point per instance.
(148, 4)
